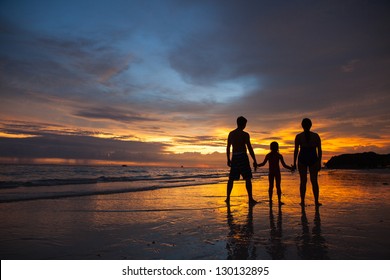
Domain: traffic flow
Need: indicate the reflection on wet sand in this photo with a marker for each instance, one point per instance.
(276, 249)
(311, 246)
(243, 242)
(240, 245)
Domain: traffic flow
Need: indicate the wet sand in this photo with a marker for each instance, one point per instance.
(195, 223)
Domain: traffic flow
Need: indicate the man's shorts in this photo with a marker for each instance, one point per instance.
(240, 166)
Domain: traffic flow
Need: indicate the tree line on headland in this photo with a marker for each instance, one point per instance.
(368, 160)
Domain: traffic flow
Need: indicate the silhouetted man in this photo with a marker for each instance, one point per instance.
(239, 163)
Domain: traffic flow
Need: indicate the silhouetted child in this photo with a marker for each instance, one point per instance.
(274, 170)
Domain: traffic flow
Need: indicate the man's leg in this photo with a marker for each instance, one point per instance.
(248, 184)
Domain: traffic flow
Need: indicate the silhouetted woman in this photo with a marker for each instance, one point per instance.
(308, 151)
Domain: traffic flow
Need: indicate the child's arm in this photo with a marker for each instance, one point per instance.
(264, 162)
(285, 165)
(256, 165)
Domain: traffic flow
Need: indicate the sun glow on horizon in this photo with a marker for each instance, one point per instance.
(193, 149)
(19, 135)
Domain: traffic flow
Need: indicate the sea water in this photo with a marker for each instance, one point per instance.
(28, 182)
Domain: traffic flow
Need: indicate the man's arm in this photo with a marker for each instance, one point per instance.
(229, 143)
(250, 149)
(296, 149)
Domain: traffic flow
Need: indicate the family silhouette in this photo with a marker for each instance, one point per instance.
(307, 156)
(241, 240)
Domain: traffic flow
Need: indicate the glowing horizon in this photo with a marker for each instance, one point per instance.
(174, 146)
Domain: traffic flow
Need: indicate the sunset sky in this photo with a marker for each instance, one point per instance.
(162, 82)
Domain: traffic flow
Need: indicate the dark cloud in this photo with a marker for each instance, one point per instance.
(50, 65)
(55, 141)
(306, 55)
(89, 149)
(45, 129)
(200, 140)
(111, 113)
(79, 147)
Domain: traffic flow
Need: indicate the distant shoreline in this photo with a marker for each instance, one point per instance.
(367, 160)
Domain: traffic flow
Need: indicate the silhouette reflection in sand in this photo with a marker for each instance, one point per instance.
(311, 245)
(240, 245)
(276, 249)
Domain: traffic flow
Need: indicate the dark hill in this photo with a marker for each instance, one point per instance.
(368, 160)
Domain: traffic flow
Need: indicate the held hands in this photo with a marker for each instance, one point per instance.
(255, 165)
(294, 167)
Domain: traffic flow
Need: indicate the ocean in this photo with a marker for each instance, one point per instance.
(30, 182)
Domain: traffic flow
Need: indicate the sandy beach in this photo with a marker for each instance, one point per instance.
(195, 223)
